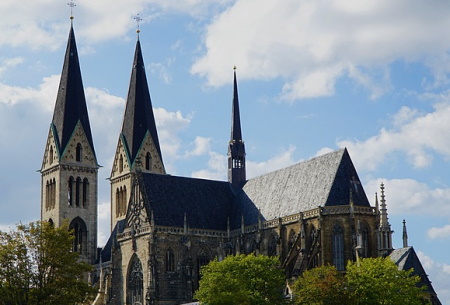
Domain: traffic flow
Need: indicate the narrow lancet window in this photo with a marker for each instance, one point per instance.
(337, 244)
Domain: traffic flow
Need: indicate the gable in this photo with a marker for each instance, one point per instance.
(322, 181)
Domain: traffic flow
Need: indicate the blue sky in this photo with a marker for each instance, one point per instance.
(314, 76)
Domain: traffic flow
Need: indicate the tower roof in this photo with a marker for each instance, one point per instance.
(236, 133)
(70, 107)
(138, 118)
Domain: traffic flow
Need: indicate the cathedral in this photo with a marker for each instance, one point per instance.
(164, 228)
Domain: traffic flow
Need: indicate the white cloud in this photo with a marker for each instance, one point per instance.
(439, 273)
(408, 196)
(202, 146)
(416, 135)
(311, 44)
(442, 232)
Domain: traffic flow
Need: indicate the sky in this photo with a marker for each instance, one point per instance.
(313, 77)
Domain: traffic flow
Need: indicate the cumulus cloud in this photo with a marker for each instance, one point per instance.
(311, 44)
(439, 274)
(217, 165)
(442, 232)
(409, 196)
(417, 135)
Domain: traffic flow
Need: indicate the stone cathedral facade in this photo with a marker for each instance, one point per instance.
(164, 227)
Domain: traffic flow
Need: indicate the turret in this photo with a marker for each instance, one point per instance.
(384, 231)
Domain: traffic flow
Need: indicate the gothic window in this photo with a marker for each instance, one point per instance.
(85, 192)
(337, 244)
(80, 236)
(272, 249)
(148, 161)
(77, 191)
(365, 240)
(120, 164)
(50, 221)
(78, 154)
(202, 259)
(135, 282)
(170, 260)
(291, 239)
(70, 191)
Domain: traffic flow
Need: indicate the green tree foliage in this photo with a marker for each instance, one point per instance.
(37, 267)
(321, 286)
(371, 281)
(241, 280)
(377, 281)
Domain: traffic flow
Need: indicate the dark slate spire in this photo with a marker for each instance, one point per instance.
(138, 118)
(236, 147)
(70, 107)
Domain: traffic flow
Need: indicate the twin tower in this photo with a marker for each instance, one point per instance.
(69, 172)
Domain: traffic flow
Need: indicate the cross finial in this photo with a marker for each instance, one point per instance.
(138, 20)
(71, 4)
(234, 68)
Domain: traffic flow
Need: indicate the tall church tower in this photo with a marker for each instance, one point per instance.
(236, 147)
(69, 169)
(138, 144)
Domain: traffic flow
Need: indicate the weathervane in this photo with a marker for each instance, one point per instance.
(138, 20)
(72, 5)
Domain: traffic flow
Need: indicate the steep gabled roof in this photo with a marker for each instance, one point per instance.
(322, 181)
(138, 118)
(206, 203)
(406, 258)
(70, 107)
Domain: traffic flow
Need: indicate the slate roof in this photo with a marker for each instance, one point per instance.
(406, 258)
(321, 181)
(138, 118)
(105, 253)
(70, 107)
(206, 203)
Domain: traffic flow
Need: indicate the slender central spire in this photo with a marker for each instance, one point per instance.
(236, 147)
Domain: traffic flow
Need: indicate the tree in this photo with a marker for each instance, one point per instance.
(37, 267)
(241, 280)
(379, 281)
(321, 286)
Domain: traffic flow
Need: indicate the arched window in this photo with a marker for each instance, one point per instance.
(337, 244)
(272, 248)
(77, 191)
(80, 236)
(70, 191)
(53, 193)
(135, 282)
(51, 155)
(148, 161)
(365, 240)
(79, 151)
(47, 195)
(120, 164)
(50, 221)
(291, 239)
(170, 260)
(202, 259)
(117, 202)
(85, 192)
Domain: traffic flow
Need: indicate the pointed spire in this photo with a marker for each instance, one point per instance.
(384, 232)
(70, 107)
(138, 118)
(236, 147)
(384, 221)
(405, 235)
